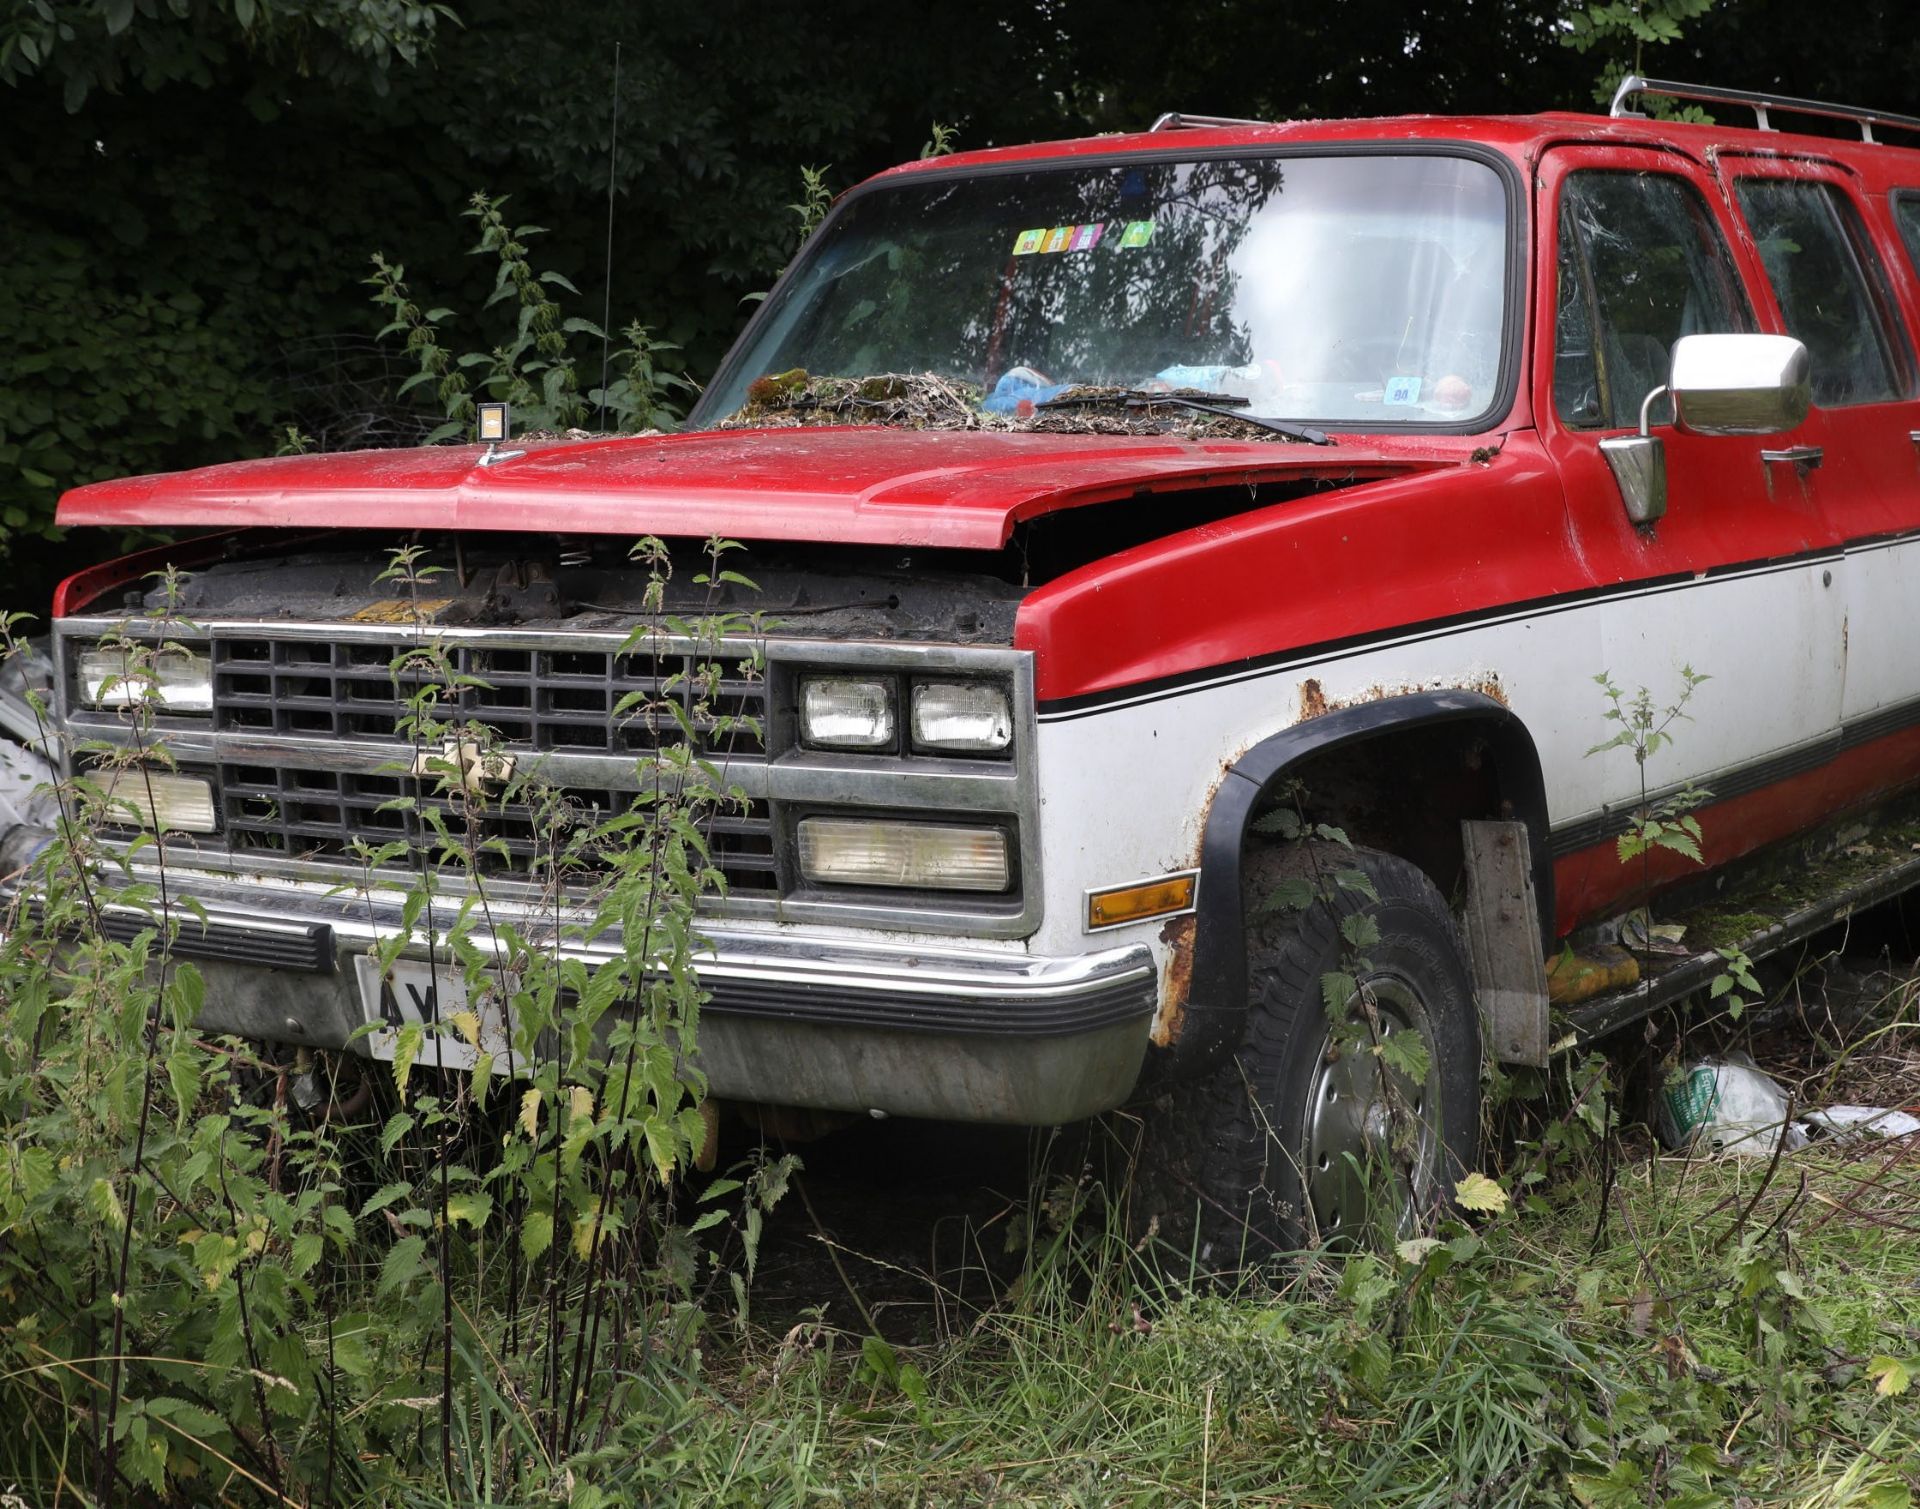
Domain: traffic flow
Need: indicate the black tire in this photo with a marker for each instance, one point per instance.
(1231, 1164)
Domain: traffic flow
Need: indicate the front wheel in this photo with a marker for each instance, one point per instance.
(1322, 1129)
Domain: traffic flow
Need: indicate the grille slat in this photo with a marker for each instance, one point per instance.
(538, 700)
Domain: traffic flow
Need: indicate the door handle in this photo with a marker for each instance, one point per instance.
(1803, 458)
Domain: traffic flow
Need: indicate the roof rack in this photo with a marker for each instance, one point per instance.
(1759, 104)
(1180, 120)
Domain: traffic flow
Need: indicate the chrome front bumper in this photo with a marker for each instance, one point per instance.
(792, 1017)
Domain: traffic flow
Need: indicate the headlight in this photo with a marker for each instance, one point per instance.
(183, 681)
(839, 713)
(858, 851)
(168, 803)
(971, 716)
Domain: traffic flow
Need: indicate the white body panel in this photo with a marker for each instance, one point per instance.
(1126, 786)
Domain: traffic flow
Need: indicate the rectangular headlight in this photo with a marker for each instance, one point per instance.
(970, 716)
(153, 799)
(838, 712)
(183, 681)
(931, 856)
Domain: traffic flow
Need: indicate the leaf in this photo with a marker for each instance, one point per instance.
(1405, 1052)
(1415, 1249)
(385, 1197)
(583, 1232)
(536, 1233)
(1360, 930)
(1891, 1376)
(401, 1263)
(662, 1148)
(468, 1025)
(406, 1048)
(1295, 894)
(104, 1201)
(1478, 1192)
(192, 1419)
(1679, 843)
(307, 1248)
(472, 1206)
(183, 1074)
(530, 1112)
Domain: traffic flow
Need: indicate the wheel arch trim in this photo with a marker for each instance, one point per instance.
(1213, 1016)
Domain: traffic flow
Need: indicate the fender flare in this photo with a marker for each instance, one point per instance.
(1215, 1012)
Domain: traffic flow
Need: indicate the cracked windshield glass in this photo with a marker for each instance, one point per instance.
(1355, 291)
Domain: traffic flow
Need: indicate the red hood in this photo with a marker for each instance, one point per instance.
(957, 489)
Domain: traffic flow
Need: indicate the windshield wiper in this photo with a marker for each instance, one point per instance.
(1225, 405)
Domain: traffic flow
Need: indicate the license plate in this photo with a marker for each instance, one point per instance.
(406, 994)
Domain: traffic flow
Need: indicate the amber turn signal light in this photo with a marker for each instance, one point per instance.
(1164, 896)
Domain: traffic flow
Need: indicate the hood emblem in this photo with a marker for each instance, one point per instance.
(479, 772)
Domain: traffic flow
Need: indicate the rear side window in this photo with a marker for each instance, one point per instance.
(1906, 210)
(1831, 290)
(1641, 264)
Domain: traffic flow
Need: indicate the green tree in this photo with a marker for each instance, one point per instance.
(1622, 31)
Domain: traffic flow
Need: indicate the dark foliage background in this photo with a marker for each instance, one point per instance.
(191, 189)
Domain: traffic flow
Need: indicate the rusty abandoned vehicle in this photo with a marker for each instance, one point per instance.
(1105, 492)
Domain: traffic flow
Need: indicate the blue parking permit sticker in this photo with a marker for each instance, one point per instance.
(1403, 390)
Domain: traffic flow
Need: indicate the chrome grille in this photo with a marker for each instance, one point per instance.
(309, 813)
(540, 699)
(560, 699)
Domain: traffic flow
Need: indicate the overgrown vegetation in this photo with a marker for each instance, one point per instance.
(1691, 1360)
(486, 1269)
(536, 366)
(267, 1275)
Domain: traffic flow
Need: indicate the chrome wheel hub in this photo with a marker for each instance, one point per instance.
(1372, 1134)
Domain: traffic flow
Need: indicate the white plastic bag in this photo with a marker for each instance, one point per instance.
(1730, 1103)
(1863, 1121)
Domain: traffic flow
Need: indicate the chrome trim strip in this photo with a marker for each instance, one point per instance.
(732, 953)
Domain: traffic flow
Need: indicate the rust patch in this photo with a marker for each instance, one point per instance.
(1315, 703)
(1176, 979)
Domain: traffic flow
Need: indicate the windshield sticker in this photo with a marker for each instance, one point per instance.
(1059, 238)
(1403, 390)
(1137, 233)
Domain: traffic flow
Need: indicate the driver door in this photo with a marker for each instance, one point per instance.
(1740, 579)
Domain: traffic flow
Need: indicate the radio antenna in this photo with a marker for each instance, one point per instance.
(606, 308)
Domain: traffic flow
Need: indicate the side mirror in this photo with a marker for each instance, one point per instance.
(1720, 385)
(1740, 384)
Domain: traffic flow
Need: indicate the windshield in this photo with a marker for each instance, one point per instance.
(1362, 291)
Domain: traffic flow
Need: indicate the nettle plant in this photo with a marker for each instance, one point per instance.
(536, 368)
(460, 1265)
(1645, 728)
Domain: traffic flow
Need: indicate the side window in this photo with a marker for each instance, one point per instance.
(1906, 211)
(1641, 264)
(1830, 288)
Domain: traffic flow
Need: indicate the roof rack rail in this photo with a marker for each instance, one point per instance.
(1759, 104)
(1180, 120)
